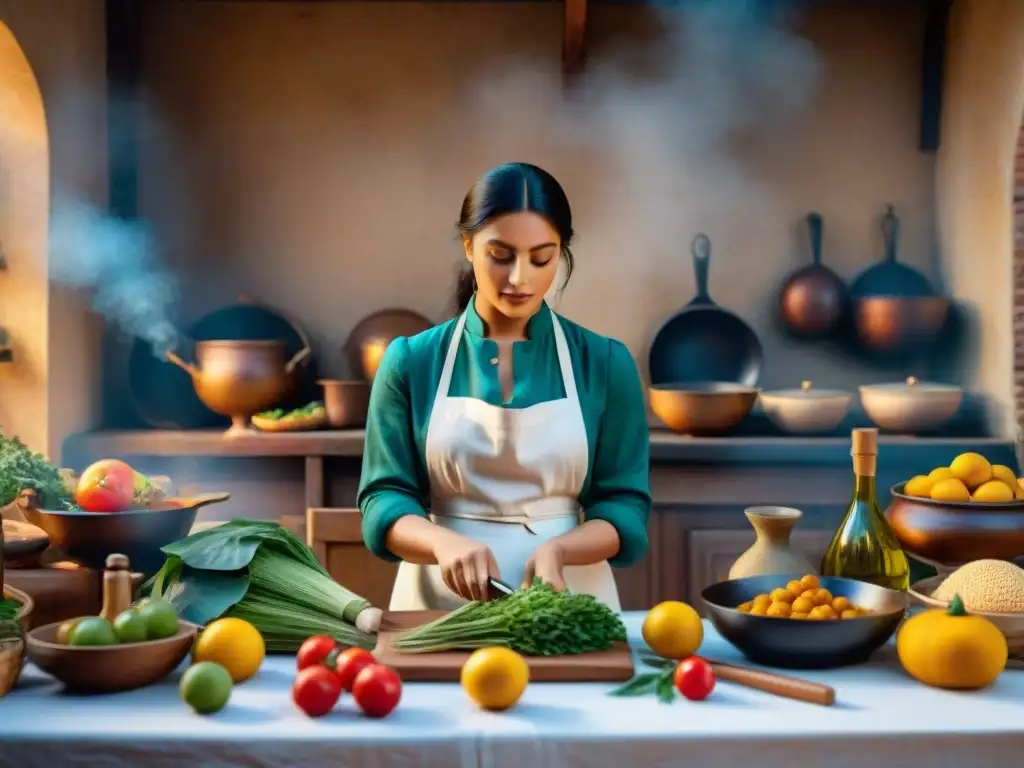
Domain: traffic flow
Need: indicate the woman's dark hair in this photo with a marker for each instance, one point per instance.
(513, 188)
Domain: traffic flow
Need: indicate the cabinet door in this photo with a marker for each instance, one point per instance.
(712, 553)
(335, 536)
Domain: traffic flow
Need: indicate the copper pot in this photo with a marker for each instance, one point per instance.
(239, 379)
(951, 533)
(368, 341)
(707, 408)
(894, 326)
(347, 402)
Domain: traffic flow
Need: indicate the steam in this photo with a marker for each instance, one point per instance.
(117, 261)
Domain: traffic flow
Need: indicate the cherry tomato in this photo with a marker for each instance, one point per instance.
(106, 486)
(377, 690)
(316, 690)
(318, 649)
(350, 663)
(694, 678)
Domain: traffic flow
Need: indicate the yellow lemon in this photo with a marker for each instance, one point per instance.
(495, 678)
(972, 469)
(919, 486)
(993, 491)
(234, 644)
(939, 473)
(950, 490)
(674, 630)
(1004, 473)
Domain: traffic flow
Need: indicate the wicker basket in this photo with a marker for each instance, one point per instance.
(12, 660)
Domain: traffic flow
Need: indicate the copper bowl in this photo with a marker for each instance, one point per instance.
(891, 326)
(238, 379)
(88, 537)
(368, 341)
(108, 668)
(951, 533)
(704, 408)
(28, 605)
(347, 402)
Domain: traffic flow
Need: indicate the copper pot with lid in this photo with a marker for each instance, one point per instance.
(238, 379)
(813, 299)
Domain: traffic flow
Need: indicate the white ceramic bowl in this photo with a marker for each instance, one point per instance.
(911, 407)
(806, 411)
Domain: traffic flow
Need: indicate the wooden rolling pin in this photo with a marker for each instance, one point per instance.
(779, 685)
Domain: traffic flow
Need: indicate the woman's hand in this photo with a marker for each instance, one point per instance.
(465, 566)
(547, 564)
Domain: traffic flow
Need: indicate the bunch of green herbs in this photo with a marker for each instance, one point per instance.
(260, 572)
(10, 627)
(536, 621)
(21, 468)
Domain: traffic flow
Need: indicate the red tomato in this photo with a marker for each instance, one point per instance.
(318, 649)
(377, 690)
(316, 690)
(350, 663)
(106, 486)
(694, 678)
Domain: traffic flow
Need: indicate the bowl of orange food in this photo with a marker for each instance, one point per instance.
(804, 621)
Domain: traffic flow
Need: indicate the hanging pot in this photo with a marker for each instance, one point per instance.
(812, 299)
(895, 311)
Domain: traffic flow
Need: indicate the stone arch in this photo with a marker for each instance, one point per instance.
(24, 222)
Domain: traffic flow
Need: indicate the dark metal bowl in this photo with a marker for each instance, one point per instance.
(951, 533)
(805, 644)
(88, 537)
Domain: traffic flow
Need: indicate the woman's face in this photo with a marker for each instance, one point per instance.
(515, 260)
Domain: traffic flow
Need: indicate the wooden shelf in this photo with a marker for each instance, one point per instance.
(665, 446)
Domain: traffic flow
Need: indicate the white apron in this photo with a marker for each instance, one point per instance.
(507, 478)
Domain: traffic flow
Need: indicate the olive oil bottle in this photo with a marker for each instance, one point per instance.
(865, 547)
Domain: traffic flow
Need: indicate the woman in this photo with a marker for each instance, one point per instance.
(507, 442)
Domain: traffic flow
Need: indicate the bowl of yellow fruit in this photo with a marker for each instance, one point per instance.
(804, 622)
(970, 510)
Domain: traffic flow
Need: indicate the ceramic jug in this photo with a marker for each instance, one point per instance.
(771, 552)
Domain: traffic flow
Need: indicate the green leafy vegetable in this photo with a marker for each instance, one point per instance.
(537, 621)
(661, 684)
(10, 627)
(311, 410)
(259, 572)
(20, 468)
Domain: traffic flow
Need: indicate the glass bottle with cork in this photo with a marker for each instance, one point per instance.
(865, 547)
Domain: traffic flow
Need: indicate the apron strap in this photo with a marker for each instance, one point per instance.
(564, 361)
(445, 382)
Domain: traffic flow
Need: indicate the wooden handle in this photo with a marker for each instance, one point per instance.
(780, 685)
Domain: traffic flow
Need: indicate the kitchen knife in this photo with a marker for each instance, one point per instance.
(500, 588)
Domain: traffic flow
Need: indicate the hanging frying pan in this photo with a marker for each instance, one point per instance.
(812, 299)
(704, 342)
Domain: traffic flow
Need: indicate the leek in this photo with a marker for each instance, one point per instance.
(260, 572)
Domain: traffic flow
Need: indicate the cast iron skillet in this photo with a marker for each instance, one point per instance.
(704, 342)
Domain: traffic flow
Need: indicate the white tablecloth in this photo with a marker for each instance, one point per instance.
(881, 716)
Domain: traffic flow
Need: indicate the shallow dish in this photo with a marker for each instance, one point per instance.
(805, 644)
(88, 537)
(300, 424)
(702, 408)
(108, 668)
(951, 533)
(1010, 624)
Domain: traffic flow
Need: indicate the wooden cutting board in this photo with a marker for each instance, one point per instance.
(612, 666)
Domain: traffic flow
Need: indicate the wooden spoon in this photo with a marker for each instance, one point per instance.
(779, 685)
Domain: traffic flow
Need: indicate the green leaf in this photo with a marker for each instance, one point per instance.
(640, 685)
(657, 662)
(666, 687)
(201, 597)
(228, 547)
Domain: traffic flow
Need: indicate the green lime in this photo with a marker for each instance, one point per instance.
(206, 687)
(130, 627)
(94, 630)
(161, 619)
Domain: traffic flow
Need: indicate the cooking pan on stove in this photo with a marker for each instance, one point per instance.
(704, 342)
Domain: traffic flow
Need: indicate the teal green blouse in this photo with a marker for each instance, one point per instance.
(394, 479)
